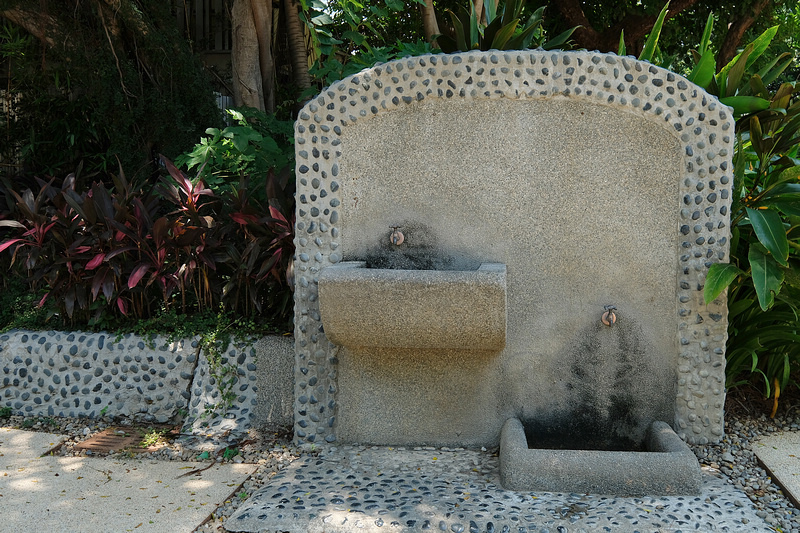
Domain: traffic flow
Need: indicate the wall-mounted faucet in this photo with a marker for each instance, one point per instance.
(609, 318)
(397, 236)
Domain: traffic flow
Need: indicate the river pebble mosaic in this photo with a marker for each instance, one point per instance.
(88, 375)
(218, 418)
(384, 489)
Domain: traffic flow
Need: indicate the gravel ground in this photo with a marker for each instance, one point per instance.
(272, 450)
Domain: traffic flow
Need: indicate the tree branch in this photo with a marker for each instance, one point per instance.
(635, 26)
(736, 31)
(572, 13)
(34, 21)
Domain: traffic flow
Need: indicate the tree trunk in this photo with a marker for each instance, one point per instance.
(429, 24)
(39, 24)
(297, 45)
(736, 31)
(262, 20)
(247, 83)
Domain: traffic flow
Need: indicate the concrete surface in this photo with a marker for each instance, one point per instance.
(426, 309)
(780, 455)
(93, 495)
(666, 467)
(597, 180)
(274, 361)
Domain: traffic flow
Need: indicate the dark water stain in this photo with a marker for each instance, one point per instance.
(606, 408)
(420, 250)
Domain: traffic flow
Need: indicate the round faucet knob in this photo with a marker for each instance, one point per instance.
(397, 237)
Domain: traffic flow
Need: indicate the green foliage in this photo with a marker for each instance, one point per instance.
(153, 437)
(229, 453)
(502, 30)
(763, 277)
(106, 84)
(332, 69)
(651, 45)
(5, 412)
(18, 305)
(254, 146)
(135, 250)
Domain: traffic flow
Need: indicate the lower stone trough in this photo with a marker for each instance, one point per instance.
(509, 249)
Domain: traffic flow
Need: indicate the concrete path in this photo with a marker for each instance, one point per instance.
(779, 453)
(83, 494)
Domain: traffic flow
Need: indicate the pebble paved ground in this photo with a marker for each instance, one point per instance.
(738, 486)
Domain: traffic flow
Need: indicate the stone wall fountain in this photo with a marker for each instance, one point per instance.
(515, 239)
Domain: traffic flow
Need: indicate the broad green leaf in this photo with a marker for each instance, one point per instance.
(771, 233)
(705, 41)
(761, 44)
(789, 207)
(379, 11)
(757, 86)
(738, 307)
(770, 74)
(720, 275)
(559, 39)
(474, 27)
(323, 19)
(734, 75)
(490, 8)
(704, 71)
(461, 43)
(354, 36)
(652, 40)
(782, 96)
(790, 174)
(756, 136)
(767, 276)
(396, 5)
(621, 49)
(743, 105)
(505, 33)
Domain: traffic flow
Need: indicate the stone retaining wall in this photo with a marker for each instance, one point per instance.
(93, 374)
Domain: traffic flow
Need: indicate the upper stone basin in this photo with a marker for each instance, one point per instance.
(426, 309)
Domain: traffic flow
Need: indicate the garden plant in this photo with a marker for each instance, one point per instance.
(94, 235)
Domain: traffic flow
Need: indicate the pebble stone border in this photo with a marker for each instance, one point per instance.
(398, 490)
(212, 429)
(704, 126)
(87, 375)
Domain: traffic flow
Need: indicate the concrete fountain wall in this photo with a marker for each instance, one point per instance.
(596, 180)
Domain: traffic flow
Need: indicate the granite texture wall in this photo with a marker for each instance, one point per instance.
(151, 380)
(596, 179)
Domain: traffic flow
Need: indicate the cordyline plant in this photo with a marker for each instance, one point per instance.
(132, 252)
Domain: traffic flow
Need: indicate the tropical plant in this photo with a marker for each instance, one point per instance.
(133, 251)
(762, 277)
(501, 31)
(253, 146)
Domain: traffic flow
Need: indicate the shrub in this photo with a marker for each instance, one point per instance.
(135, 250)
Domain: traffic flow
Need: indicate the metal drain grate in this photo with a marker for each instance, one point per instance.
(117, 439)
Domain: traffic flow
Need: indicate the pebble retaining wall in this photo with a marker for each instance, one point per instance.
(79, 374)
